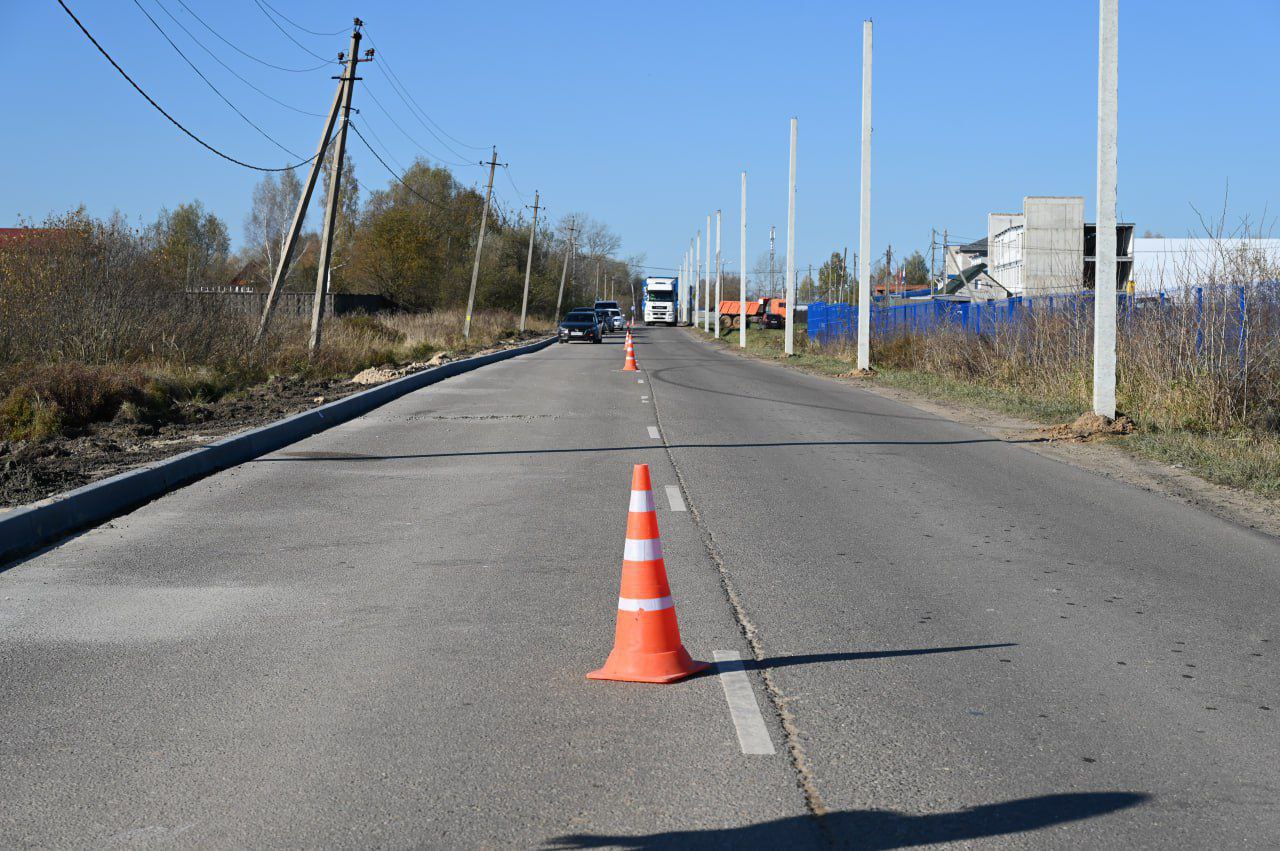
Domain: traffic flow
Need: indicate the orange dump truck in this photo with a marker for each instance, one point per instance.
(763, 313)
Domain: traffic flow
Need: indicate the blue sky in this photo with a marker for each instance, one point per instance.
(643, 114)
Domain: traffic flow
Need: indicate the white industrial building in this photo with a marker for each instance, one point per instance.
(1163, 265)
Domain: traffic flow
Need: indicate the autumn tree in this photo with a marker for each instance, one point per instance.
(190, 245)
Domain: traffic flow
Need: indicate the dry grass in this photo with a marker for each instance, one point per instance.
(1212, 408)
(89, 332)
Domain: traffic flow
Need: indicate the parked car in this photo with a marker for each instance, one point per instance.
(581, 323)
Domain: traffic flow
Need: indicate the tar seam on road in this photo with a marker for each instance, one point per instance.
(674, 497)
(799, 762)
(753, 735)
(653, 432)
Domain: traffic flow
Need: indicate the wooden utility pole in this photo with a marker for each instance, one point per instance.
(331, 209)
(564, 270)
(888, 269)
(528, 264)
(772, 291)
(844, 273)
(484, 221)
(300, 214)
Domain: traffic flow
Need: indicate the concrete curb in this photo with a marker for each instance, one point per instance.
(33, 526)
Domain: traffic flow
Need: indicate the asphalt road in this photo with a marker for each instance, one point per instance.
(379, 636)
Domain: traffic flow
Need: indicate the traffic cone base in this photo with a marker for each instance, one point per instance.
(646, 644)
(668, 667)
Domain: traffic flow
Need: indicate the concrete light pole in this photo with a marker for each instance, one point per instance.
(697, 271)
(716, 308)
(742, 273)
(789, 343)
(706, 290)
(1104, 279)
(864, 214)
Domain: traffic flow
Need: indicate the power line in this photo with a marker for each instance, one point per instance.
(400, 93)
(231, 70)
(298, 25)
(506, 169)
(276, 23)
(421, 147)
(248, 55)
(161, 109)
(393, 172)
(207, 82)
(392, 76)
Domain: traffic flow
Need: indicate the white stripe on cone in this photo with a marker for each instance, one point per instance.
(655, 604)
(642, 501)
(647, 550)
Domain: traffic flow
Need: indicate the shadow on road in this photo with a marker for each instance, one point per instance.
(344, 456)
(878, 830)
(857, 656)
(660, 374)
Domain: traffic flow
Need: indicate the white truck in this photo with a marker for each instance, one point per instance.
(661, 300)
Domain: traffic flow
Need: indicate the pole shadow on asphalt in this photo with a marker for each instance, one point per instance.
(660, 375)
(284, 456)
(845, 656)
(878, 830)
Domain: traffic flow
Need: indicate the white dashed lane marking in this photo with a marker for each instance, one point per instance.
(753, 735)
(674, 497)
(653, 432)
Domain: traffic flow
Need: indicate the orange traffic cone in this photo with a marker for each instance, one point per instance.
(646, 646)
(630, 365)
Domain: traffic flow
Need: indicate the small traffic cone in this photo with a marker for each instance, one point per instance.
(630, 365)
(646, 645)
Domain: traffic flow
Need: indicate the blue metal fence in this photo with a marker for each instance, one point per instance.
(1235, 310)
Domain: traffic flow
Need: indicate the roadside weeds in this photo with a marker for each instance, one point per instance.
(1235, 477)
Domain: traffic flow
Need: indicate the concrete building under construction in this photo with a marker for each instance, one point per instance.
(1046, 248)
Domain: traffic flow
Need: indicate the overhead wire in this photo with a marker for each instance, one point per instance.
(232, 71)
(249, 55)
(506, 169)
(276, 23)
(209, 83)
(402, 90)
(294, 23)
(162, 110)
(392, 171)
(406, 134)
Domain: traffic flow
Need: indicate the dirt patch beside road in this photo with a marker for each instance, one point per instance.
(33, 471)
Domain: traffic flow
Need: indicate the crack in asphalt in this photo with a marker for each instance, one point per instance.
(805, 778)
